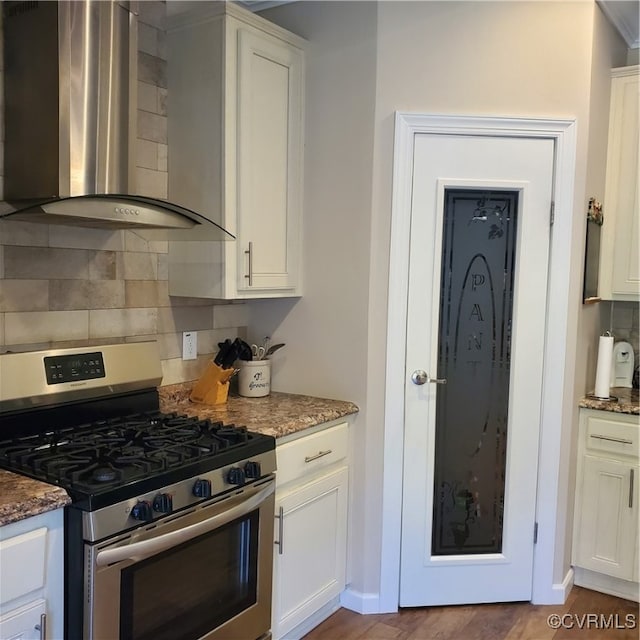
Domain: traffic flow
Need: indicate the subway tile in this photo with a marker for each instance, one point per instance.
(172, 319)
(152, 14)
(24, 295)
(1, 261)
(147, 39)
(146, 293)
(163, 267)
(208, 340)
(43, 263)
(28, 234)
(230, 315)
(151, 183)
(162, 44)
(29, 346)
(162, 157)
(106, 323)
(162, 101)
(147, 97)
(147, 154)
(138, 241)
(43, 326)
(1, 328)
(106, 294)
(81, 238)
(137, 266)
(170, 345)
(103, 265)
(176, 370)
(152, 126)
(622, 315)
(86, 294)
(152, 70)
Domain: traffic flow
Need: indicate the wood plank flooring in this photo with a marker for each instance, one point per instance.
(510, 621)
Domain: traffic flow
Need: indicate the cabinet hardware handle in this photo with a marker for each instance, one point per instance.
(631, 489)
(610, 439)
(279, 542)
(42, 627)
(249, 276)
(320, 454)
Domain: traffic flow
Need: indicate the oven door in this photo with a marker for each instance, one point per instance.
(202, 574)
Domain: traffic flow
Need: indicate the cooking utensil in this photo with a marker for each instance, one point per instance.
(257, 352)
(243, 349)
(271, 350)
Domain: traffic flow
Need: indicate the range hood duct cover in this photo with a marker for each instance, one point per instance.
(70, 121)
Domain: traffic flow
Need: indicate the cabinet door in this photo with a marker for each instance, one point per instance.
(620, 266)
(24, 623)
(310, 556)
(269, 162)
(608, 519)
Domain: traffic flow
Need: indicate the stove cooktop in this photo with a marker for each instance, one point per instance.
(112, 460)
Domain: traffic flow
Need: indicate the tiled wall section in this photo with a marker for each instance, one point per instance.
(65, 286)
(623, 318)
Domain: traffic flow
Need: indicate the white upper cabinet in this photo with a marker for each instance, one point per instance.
(235, 118)
(620, 258)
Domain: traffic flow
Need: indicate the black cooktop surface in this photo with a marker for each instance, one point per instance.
(107, 461)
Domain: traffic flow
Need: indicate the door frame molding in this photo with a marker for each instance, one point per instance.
(553, 427)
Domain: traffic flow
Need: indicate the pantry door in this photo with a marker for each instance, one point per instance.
(478, 257)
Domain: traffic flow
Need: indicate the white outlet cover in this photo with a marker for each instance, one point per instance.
(189, 345)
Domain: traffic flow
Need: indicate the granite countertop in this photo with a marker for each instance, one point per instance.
(278, 414)
(626, 401)
(22, 497)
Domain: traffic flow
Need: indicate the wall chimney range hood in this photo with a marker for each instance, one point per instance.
(70, 73)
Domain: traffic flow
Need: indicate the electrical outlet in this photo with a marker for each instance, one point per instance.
(189, 345)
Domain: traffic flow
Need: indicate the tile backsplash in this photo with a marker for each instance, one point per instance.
(622, 319)
(67, 286)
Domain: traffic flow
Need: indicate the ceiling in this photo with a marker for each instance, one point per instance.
(623, 14)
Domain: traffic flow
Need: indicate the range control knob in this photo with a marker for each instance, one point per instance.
(202, 488)
(163, 503)
(142, 511)
(252, 470)
(235, 475)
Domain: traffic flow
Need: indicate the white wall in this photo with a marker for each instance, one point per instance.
(483, 58)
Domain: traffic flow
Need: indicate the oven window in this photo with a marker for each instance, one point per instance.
(185, 592)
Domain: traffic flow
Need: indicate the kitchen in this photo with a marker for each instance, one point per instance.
(75, 284)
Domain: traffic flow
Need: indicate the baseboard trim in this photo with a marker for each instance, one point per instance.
(607, 584)
(312, 621)
(360, 602)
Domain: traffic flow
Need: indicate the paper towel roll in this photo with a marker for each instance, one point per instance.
(603, 370)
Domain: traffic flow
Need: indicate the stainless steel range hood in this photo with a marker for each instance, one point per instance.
(70, 72)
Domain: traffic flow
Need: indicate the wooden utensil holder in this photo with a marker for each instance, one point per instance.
(213, 385)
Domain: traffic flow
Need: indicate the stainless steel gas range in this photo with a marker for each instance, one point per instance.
(170, 530)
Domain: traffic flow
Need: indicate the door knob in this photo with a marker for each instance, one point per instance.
(419, 377)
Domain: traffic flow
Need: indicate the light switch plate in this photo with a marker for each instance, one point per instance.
(189, 345)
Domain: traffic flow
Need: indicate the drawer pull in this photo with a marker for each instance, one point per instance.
(609, 439)
(631, 489)
(42, 627)
(280, 542)
(320, 454)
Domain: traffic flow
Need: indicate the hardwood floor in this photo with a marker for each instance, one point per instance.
(586, 615)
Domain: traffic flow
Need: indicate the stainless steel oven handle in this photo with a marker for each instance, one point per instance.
(140, 550)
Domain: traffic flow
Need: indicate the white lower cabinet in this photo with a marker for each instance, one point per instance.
(605, 541)
(310, 531)
(31, 578)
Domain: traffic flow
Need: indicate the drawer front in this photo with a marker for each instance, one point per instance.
(307, 454)
(23, 560)
(616, 434)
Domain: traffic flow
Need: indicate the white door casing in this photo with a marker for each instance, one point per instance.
(555, 409)
(474, 162)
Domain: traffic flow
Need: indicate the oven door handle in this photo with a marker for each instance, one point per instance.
(140, 550)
